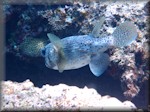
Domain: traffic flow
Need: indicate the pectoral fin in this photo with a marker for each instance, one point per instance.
(56, 41)
(99, 64)
(61, 62)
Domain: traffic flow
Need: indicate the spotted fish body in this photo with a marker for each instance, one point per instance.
(77, 51)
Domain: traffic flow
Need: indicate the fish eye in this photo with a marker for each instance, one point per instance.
(43, 52)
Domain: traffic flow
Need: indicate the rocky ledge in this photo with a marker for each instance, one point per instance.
(25, 96)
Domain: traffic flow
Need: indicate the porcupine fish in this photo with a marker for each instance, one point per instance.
(74, 52)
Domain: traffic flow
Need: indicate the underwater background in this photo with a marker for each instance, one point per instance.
(24, 24)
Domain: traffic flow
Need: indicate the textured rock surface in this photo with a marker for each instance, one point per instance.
(24, 96)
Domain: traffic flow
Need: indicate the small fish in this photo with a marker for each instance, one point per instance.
(77, 51)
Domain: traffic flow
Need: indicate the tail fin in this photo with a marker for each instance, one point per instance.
(124, 34)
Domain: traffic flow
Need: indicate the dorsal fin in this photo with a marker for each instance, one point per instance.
(56, 41)
(97, 27)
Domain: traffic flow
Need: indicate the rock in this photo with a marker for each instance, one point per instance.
(24, 96)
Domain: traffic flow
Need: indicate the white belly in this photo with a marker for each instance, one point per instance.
(75, 64)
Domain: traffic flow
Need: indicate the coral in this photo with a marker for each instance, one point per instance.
(54, 19)
(61, 17)
(24, 96)
(33, 49)
(133, 60)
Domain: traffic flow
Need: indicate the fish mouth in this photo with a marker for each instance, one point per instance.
(43, 52)
(49, 63)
